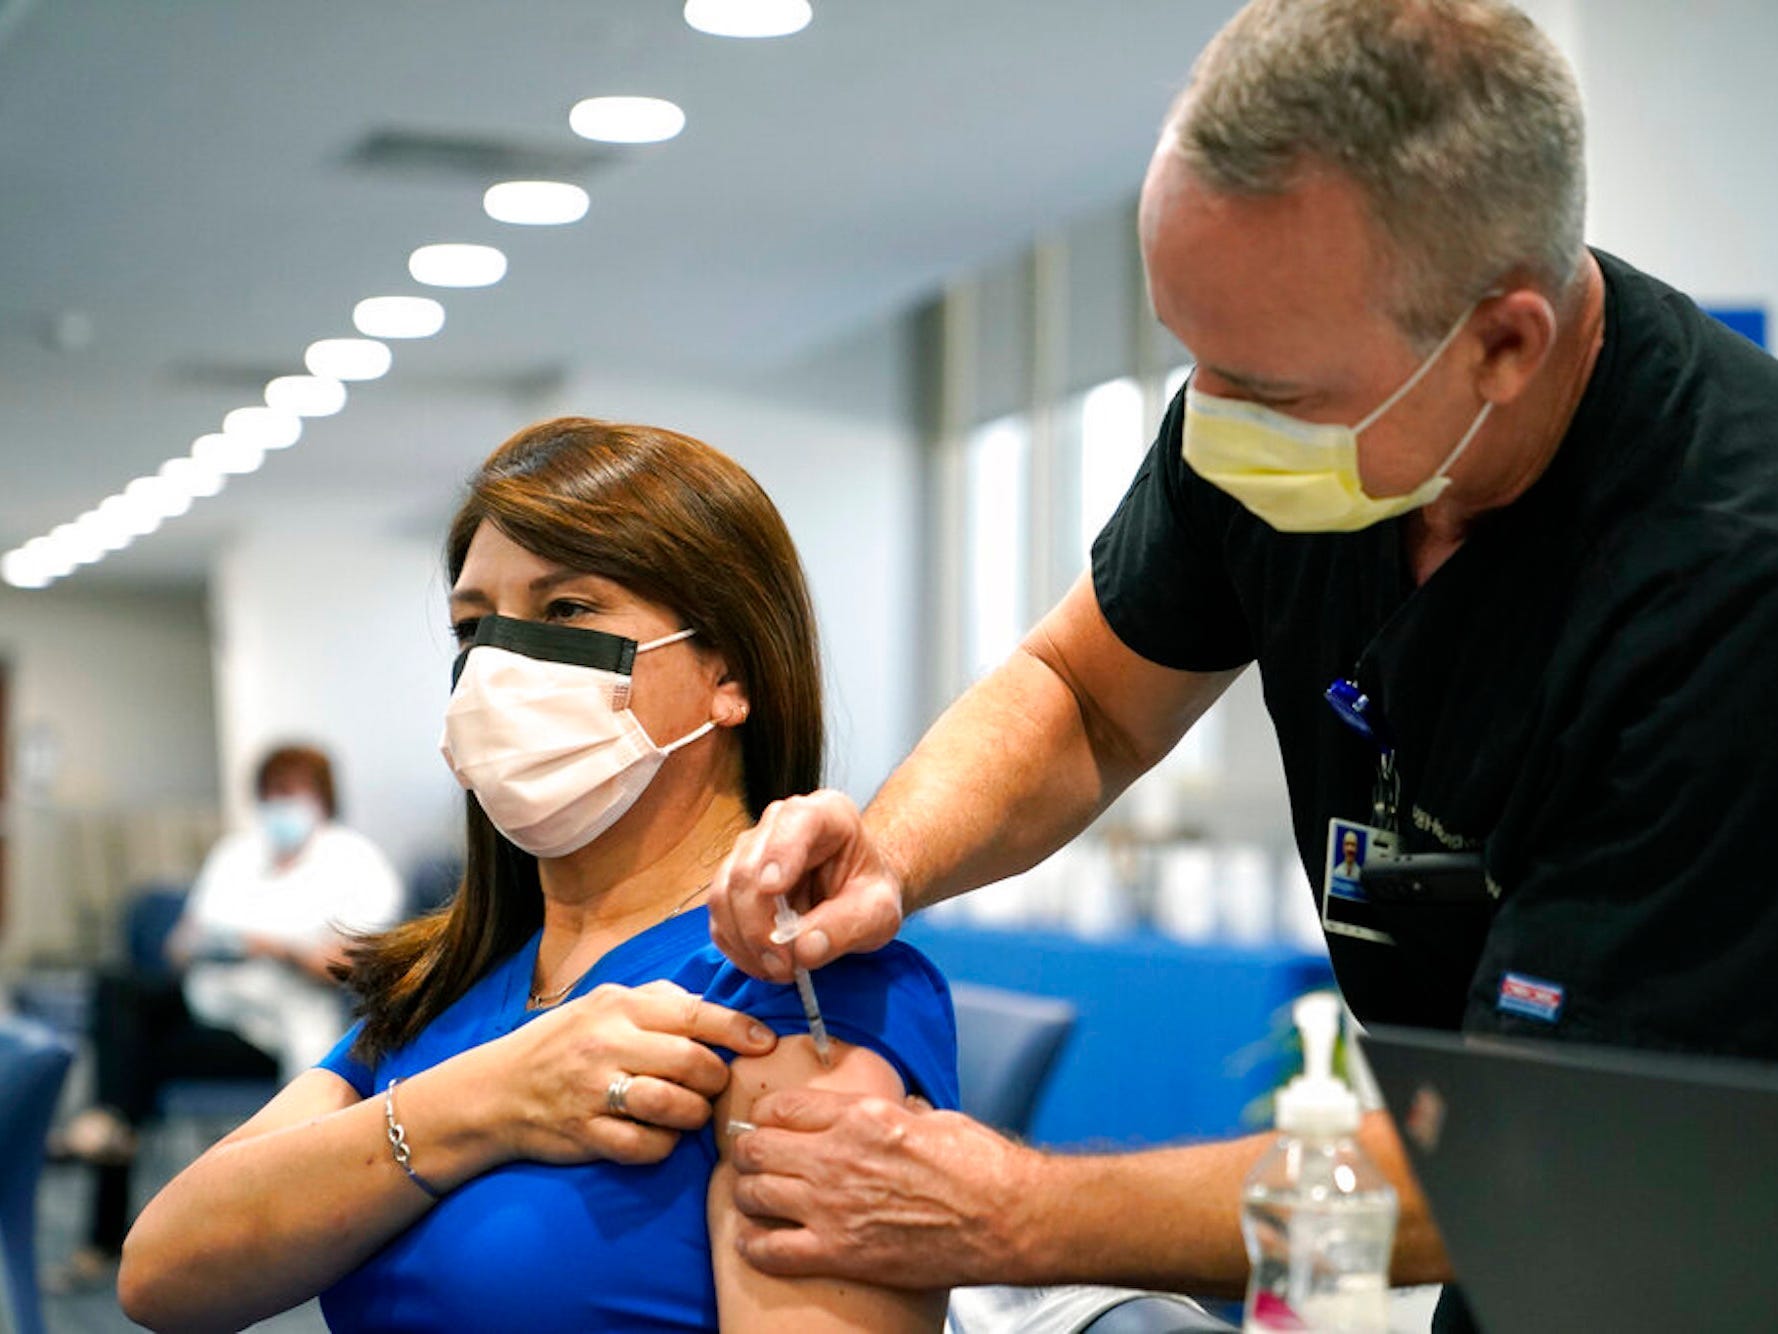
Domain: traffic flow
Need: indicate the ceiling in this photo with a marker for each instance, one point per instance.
(181, 211)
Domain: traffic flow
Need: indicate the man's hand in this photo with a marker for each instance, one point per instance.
(816, 850)
(881, 1191)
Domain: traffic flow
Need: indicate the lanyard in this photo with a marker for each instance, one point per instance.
(1364, 715)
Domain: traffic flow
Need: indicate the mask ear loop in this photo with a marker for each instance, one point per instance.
(1463, 444)
(689, 737)
(1425, 366)
(696, 732)
(664, 640)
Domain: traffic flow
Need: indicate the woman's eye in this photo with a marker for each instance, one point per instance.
(464, 630)
(562, 610)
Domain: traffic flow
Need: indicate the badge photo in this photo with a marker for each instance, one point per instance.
(1346, 907)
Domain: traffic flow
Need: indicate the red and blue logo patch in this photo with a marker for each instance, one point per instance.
(1531, 997)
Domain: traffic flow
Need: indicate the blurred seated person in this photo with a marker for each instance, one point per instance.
(263, 925)
(270, 914)
(529, 1127)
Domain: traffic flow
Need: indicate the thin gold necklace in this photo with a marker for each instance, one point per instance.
(539, 1000)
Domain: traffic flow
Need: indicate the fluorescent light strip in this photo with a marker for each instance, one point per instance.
(457, 265)
(748, 18)
(535, 203)
(249, 432)
(626, 120)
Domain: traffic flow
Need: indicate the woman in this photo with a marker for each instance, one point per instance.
(255, 942)
(520, 1132)
(268, 918)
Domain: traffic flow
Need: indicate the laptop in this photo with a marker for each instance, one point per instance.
(1592, 1189)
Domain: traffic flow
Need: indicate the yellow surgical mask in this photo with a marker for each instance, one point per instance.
(1298, 476)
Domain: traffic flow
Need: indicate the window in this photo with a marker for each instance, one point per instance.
(996, 542)
(1113, 439)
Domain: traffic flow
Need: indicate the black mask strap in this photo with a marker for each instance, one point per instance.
(550, 643)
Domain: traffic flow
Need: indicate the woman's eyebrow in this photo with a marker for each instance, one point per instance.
(556, 578)
(541, 584)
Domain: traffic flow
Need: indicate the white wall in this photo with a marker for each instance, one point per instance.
(1681, 101)
(112, 717)
(847, 484)
(328, 633)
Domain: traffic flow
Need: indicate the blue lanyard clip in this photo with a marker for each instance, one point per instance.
(1360, 712)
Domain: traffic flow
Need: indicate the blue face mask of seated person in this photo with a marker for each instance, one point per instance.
(287, 823)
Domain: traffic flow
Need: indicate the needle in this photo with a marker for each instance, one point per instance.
(785, 930)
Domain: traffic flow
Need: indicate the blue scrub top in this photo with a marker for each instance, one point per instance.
(603, 1245)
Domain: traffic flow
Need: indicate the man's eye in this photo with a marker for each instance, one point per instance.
(464, 630)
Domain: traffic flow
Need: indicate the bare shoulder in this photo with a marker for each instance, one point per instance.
(794, 1063)
(751, 1302)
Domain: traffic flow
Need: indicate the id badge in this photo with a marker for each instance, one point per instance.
(1346, 908)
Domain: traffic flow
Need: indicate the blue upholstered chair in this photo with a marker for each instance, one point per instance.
(197, 1101)
(33, 1063)
(430, 883)
(153, 912)
(1007, 1044)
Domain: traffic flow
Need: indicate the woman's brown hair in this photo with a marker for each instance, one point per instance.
(308, 765)
(681, 524)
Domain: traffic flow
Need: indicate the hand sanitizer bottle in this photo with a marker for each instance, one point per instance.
(1317, 1214)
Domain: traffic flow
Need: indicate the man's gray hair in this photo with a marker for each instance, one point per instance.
(1458, 120)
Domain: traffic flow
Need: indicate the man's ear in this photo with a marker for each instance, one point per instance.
(1518, 332)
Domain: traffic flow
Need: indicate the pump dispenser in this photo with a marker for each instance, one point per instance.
(1318, 1102)
(1317, 1215)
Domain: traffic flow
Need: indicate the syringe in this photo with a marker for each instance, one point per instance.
(787, 924)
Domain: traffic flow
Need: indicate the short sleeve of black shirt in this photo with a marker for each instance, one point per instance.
(1158, 568)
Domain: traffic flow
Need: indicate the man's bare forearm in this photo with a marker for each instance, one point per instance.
(1171, 1218)
(1004, 778)
(1032, 753)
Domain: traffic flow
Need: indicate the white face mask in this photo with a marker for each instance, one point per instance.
(539, 728)
(1302, 477)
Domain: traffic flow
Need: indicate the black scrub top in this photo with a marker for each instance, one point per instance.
(1585, 694)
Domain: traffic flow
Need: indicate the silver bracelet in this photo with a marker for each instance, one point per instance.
(398, 1144)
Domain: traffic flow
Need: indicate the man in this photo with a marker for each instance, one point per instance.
(1540, 579)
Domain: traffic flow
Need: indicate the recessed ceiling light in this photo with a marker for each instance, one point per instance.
(192, 477)
(158, 495)
(398, 316)
(348, 359)
(77, 543)
(226, 453)
(22, 569)
(457, 265)
(266, 427)
(306, 395)
(111, 529)
(535, 203)
(131, 517)
(626, 120)
(51, 557)
(748, 18)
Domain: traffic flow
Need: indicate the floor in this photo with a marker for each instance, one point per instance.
(61, 1220)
